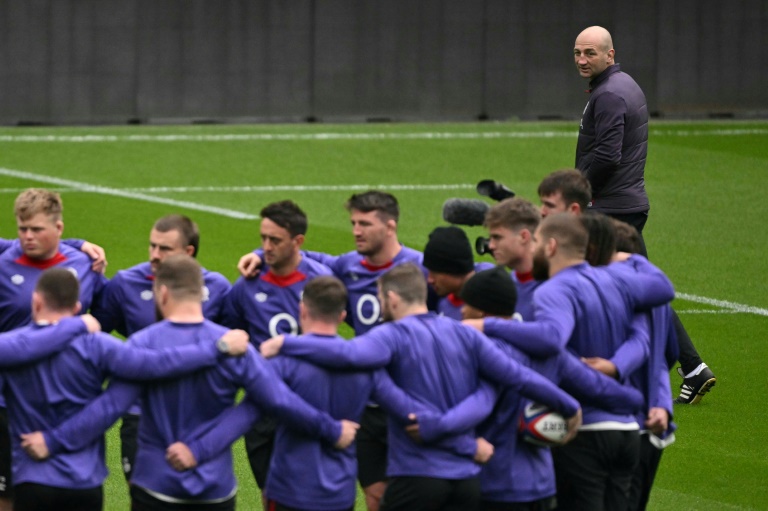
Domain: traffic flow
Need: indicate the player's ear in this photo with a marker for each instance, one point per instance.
(190, 250)
(342, 316)
(77, 308)
(299, 239)
(574, 208)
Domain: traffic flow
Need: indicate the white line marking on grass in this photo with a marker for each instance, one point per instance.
(733, 307)
(708, 311)
(268, 137)
(104, 190)
(275, 188)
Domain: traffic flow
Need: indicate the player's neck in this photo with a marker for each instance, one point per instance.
(413, 309)
(387, 253)
(184, 312)
(49, 317)
(287, 268)
(319, 327)
(558, 264)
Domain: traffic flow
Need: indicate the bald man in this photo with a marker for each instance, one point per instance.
(613, 134)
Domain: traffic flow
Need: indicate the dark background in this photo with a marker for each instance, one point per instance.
(118, 61)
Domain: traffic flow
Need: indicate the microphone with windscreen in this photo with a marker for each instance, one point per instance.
(465, 211)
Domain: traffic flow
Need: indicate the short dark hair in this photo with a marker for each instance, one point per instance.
(385, 204)
(288, 215)
(602, 238)
(187, 229)
(627, 237)
(571, 184)
(59, 288)
(567, 229)
(407, 281)
(514, 213)
(325, 297)
(182, 275)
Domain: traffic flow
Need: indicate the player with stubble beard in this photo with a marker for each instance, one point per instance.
(374, 216)
(268, 305)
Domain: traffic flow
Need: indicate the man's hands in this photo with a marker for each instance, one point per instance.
(477, 324)
(574, 422)
(34, 445)
(484, 451)
(602, 365)
(236, 341)
(91, 323)
(180, 457)
(413, 428)
(657, 421)
(97, 255)
(348, 433)
(271, 347)
(249, 265)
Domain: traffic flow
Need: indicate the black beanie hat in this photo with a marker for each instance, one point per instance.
(491, 291)
(448, 251)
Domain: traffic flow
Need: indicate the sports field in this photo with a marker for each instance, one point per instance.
(708, 184)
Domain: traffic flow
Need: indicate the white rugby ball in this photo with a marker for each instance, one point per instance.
(542, 426)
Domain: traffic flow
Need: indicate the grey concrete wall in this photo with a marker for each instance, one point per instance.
(116, 61)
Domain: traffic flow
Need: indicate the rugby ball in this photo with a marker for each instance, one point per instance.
(540, 425)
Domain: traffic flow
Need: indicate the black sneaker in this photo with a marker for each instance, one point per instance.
(694, 388)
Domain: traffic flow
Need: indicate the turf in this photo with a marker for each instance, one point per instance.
(707, 183)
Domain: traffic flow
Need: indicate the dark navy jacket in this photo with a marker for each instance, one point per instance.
(613, 143)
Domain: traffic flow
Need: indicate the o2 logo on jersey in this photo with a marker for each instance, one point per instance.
(277, 324)
(368, 310)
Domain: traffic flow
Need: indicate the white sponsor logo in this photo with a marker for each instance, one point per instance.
(277, 319)
(260, 297)
(375, 306)
(146, 295)
(206, 293)
(17, 279)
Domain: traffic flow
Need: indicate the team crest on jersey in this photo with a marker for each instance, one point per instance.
(146, 295)
(260, 297)
(206, 293)
(17, 279)
(73, 272)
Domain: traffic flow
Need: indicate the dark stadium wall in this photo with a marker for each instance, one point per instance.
(118, 61)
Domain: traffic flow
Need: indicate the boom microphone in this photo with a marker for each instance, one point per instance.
(465, 211)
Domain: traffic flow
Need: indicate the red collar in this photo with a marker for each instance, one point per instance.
(455, 300)
(372, 267)
(25, 260)
(524, 277)
(284, 280)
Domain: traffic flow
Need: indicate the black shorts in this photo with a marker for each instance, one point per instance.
(129, 440)
(143, 501)
(39, 497)
(372, 447)
(545, 504)
(259, 444)
(594, 470)
(411, 493)
(6, 488)
(274, 506)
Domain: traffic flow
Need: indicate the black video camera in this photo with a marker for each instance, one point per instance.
(494, 190)
(482, 246)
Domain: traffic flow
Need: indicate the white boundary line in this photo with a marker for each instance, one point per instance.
(104, 190)
(731, 306)
(275, 188)
(290, 137)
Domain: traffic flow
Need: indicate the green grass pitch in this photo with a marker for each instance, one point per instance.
(708, 184)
